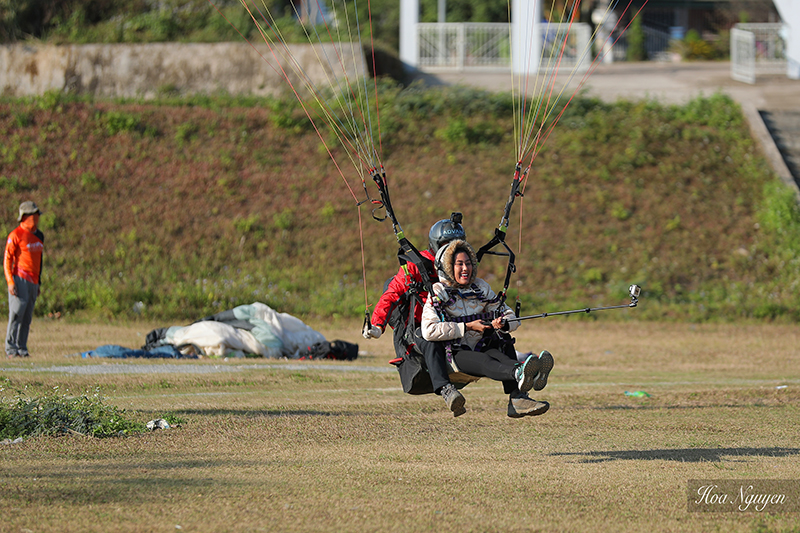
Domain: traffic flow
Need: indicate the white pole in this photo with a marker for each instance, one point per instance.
(409, 37)
(526, 42)
(790, 13)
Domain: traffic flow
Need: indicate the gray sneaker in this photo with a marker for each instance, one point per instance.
(525, 373)
(545, 366)
(519, 405)
(455, 400)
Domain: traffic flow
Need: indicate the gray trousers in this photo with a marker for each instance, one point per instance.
(20, 314)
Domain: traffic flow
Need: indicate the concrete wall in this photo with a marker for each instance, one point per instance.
(142, 70)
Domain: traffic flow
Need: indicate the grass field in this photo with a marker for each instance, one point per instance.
(336, 446)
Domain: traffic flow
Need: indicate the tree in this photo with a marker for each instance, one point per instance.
(637, 51)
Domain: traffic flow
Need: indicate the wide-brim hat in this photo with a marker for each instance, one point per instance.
(27, 208)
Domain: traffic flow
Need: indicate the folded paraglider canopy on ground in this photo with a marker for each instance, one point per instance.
(253, 330)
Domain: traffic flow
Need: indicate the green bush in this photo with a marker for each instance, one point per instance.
(779, 213)
(186, 132)
(636, 41)
(90, 182)
(118, 122)
(693, 47)
(14, 184)
(57, 414)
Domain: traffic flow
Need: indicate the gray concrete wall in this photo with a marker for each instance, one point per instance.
(142, 70)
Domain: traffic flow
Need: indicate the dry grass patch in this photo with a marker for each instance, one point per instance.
(322, 449)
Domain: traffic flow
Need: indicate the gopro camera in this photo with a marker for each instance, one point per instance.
(455, 218)
(634, 290)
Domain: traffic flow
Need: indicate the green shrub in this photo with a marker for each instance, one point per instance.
(23, 119)
(694, 47)
(57, 414)
(327, 212)
(248, 224)
(90, 182)
(593, 275)
(120, 122)
(620, 212)
(48, 220)
(779, 213)
(636, 41)
(186, 132)
(284, 220)
(51, 100)
(14, 184)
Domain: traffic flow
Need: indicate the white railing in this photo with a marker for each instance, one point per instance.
(656, 43)
(757, 49)
(463, 45)
(487, 45)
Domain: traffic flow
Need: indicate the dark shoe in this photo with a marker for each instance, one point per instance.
(526, 372)
(519, 405)
(545, 366)
(455, 400)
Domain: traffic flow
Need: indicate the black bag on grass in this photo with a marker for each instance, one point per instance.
(343, 350)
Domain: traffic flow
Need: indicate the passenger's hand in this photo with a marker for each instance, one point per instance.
(12, 289)
(478, 325)
(371, 332)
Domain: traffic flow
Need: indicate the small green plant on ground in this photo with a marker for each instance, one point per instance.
(57, 414)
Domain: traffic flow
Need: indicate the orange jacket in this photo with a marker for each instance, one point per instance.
(23, 257)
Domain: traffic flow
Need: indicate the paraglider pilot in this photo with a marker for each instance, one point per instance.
(390, 310)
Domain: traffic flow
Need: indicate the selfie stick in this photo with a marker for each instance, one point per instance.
(634, 291)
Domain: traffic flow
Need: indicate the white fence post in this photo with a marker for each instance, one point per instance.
(743, 57)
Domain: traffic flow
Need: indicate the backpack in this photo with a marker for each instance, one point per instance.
(338, 349)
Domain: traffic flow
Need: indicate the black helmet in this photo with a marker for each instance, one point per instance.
(445, 231)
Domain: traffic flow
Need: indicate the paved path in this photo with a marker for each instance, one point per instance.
(666, 82)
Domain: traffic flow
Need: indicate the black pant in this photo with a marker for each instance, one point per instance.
(492, 364)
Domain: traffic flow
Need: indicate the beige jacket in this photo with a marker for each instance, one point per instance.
(435, 329)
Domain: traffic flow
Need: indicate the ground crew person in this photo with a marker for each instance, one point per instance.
(22, 264)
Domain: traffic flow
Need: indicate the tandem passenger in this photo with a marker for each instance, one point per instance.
(465, 316)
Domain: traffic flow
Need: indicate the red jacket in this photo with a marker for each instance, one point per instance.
(398, 286)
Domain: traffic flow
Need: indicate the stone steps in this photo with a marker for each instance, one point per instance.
(784, 127)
